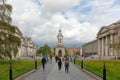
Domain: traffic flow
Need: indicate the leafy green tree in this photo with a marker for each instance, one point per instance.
(5, 11)
(44, 50)
(47, 49)
(9, 43)
(66, 52)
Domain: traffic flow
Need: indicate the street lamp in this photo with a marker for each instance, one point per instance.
(10, 67)
(35, 62)
(104, 72)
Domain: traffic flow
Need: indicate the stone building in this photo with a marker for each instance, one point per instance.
(60, 48)
(90, 49)
(70, 51)
(17, 31)
(28, 48)
(6, 30)
(106, 36)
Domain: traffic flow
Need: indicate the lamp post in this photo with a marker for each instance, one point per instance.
(104, 72)
(10, 72)
(82, 63)
(35, 62)
(10, 67)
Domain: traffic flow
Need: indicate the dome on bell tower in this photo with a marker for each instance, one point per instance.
(59, 30)
(60, 33)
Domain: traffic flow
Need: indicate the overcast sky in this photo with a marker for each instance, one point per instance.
(79, 20)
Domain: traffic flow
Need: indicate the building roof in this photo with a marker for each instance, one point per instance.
(113, 26)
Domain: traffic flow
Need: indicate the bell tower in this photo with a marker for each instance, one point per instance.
(60, 49)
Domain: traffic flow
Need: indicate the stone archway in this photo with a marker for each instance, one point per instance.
(60, 52)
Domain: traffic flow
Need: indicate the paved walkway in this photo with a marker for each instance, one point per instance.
(52, 73)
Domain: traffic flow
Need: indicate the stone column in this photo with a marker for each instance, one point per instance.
(106, 45)
(115, 51)
(111, 41)
(102, 46)
(99, 47)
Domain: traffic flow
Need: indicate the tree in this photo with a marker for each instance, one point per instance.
(9, 42)
(5, 11)
(44, 50)
(66, 52)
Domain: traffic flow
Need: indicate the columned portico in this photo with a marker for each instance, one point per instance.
(103, 46)
(107, 36)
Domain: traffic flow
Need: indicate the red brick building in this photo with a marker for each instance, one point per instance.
(73, 50)
(52, 50)
(70, 50)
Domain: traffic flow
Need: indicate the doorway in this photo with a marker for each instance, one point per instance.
(60, 53)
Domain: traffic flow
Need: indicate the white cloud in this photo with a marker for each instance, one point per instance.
(42, 22)
(58, 5)
(49, 7)
(102, 12)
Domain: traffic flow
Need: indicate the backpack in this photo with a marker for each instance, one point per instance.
(66, 62)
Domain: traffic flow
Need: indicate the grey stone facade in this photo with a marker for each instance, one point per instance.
(106, 36)
(17, 33)
(90, 48)
(27, 49)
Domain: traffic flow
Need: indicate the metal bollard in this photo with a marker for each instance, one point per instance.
(10, 72)
(35, 64)
(82, 64)
(104, 72)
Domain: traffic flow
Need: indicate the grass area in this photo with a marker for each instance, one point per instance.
(96, 66)
(18, 66)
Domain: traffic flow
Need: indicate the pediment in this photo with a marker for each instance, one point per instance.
(102, 30)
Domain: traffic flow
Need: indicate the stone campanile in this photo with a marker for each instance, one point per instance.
(60, 49)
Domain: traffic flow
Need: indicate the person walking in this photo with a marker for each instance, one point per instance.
(56, 58)
(74, 58)
(43, 63)
(67, 65)
(59, 63)
(50, 58)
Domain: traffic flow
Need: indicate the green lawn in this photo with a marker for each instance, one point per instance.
(96, 66)
(19, 67)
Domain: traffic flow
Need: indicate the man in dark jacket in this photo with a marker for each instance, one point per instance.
(59, 63)
(43, 63)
